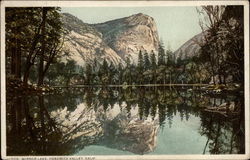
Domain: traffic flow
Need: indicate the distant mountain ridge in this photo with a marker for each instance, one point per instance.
(190, 48)
(113, 40)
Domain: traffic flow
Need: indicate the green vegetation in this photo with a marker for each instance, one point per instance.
(149, 70)
(223, 50)
(34, 130)
(34, 38)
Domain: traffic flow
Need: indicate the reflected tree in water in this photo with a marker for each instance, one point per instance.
(117, 118)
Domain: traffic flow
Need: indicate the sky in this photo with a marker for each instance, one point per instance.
(175, 25)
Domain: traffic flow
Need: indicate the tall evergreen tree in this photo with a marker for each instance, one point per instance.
(105, 66)
(153, 66)
(169, 58)
(153, 60)
(104, 72)
(161, 54)
(128, 62)
(95, 66)
(146, 61)
(112, 73)
(140, 60)
(140, 66)
(120, 73)
(88, 74)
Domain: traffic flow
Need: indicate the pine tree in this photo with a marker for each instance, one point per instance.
(161, 54)
(140, 67)
(169, 58)
(105, 66)
(105, 72)
(112, 72)
(128, 62)
(88, 74)
(146, 61)
(153, 60)
(127, 71)
(140, 60)
(120, 72)
(153, 66)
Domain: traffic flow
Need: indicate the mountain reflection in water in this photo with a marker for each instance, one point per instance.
(128, 120)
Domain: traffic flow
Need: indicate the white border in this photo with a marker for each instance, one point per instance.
(3, 86)
(119, 3)
(127, 4)
(246, 73)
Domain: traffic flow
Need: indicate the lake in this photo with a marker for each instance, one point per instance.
(119, 121)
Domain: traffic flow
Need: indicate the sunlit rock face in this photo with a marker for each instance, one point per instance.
(114, 127)
(127, 36)
(84, 43)
(113, 40)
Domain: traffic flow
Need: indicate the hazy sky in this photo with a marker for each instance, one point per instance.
(175, 25)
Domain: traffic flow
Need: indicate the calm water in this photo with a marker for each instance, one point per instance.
(122, 122)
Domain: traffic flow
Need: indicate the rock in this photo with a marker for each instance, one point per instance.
(127, 36)
(191, 48)
(84, 43)
(113, 40)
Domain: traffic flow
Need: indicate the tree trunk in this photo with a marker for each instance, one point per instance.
(31, 55)
(41, 106)
(16, 57)
(41, 63)
(220, 80)
(13, 61)
(18, 61)
(26, 74)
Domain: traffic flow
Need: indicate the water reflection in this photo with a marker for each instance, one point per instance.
(225, 135)
(124, 119)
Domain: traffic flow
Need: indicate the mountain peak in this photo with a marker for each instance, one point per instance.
(128, 35)
(140, 19)
(113, 40)
(140, 15)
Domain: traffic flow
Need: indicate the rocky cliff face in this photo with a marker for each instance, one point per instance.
(84, 43)
(127, 36)
(113, 40)
(191, 48)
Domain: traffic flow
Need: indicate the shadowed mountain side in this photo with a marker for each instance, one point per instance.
(190, 48)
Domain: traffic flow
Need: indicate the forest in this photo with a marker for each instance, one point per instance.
(58, 107)
(35, 37)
